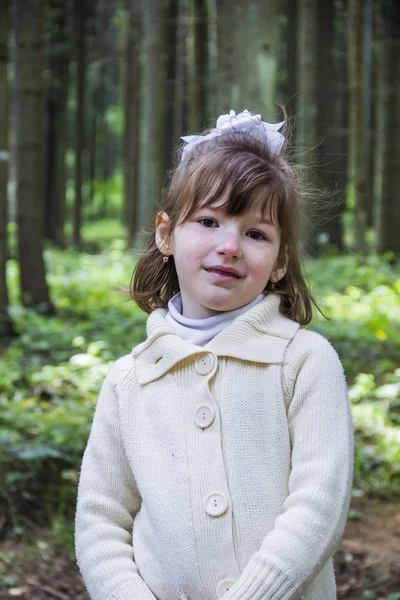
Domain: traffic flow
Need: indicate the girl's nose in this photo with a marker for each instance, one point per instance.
(230, 246)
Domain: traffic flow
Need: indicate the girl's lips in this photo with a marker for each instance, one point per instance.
(224, 275)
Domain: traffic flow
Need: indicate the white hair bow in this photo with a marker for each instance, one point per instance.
(243, 121)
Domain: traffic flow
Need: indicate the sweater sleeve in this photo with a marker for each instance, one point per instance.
(314, 514)
(108, 501)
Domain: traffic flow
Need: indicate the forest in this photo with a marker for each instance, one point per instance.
(94, 98)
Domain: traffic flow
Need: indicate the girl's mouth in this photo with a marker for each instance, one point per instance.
(223, 274)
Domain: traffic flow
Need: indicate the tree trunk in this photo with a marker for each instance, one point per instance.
(172, 35)
(307, 103)
(367, 101)
(80, 47)
(152, 121)
(330, 110)
(29, 72)
(197, 65)
(387, 178)
(5, 321)
(212, 108)
(290, 86)
(179, 80)
(57, 98)
(131, 95)
(93, 143)
(358, 138)
(262, 56)
(228, 46)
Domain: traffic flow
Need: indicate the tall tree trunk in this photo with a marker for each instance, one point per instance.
(80, 47)
(358, 138)
(57, 98)
(367, 101)
(93, 143)
(212, 108)
(29, 72)
(262, 57)
(387, 178)
(330, 110)
(152, 122)
(172, 35)
(179, 79)
(307, 102)
(290, 88)
(229, 15)
(131, 95)
(197, 64)
(5, 321)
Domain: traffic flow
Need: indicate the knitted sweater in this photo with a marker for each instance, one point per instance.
(221, 471)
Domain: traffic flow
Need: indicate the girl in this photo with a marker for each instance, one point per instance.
(220, 459)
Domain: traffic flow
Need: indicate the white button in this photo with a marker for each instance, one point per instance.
(223, 586)
(216, 504)
(204, 364)
(205, 415)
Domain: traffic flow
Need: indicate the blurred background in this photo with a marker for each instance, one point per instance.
(94, 96)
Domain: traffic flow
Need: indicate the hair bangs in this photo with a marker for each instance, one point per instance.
(238, 183)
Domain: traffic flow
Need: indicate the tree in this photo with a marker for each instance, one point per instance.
(56, 121)
(152, 119)
(387, 178)
(230, 13)
(307, 28)
(80, 60)
(197, 64)
(29, 133)
(261, 57)
(358, 138)
(131, 98)
(331, 116)
(5, 321)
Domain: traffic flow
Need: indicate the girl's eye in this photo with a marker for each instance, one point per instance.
(207, 222)
(257, 235)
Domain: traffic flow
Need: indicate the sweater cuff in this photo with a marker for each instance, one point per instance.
(132, 590)
(260, 581)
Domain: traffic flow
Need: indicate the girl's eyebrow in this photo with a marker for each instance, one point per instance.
(219, 209)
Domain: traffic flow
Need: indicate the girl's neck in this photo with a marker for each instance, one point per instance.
(201, 331)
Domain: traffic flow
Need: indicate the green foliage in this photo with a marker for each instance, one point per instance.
(51, 374)
(106, 200)
(361, 298)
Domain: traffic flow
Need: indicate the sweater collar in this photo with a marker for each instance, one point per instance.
(259, 335)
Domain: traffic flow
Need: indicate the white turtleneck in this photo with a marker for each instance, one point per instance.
(201, 331)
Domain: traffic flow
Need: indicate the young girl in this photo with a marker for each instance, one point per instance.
(220, 459)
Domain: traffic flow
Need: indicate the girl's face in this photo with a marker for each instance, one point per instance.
(210, 244)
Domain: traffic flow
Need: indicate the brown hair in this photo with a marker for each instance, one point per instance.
(244, 171)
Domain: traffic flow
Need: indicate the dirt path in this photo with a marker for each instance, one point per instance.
(369, 556)
(367, 563)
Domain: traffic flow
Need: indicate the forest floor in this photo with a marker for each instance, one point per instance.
(367, 563)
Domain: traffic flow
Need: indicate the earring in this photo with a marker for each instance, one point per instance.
(272, 285)
(165, 259)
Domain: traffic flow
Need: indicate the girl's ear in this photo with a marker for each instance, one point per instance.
(278, 274)
(280, 267)
(162, 230)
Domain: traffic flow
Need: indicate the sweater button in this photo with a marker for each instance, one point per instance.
(204, 364)
(224, 586)
(205, 415)
(216, 504)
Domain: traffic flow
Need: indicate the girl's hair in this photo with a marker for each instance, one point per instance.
(243, 170)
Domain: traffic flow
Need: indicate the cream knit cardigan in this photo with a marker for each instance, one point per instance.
(218, 471)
